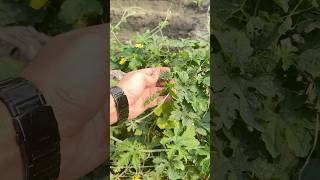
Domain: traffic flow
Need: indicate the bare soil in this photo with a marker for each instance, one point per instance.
(187, 19)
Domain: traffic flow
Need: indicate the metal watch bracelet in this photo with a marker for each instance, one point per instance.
(121, 103)
(36, 128)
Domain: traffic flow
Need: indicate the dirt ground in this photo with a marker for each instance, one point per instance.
(188, 20)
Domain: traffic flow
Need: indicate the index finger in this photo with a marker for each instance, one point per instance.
(151, 71)
(152, 75)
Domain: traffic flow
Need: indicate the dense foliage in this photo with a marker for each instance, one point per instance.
(266, 77)
(170, 141)
(53, 17)
(49, 17)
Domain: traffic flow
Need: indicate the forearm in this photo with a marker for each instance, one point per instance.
(113, 111)
(74, 160)
(81, 159)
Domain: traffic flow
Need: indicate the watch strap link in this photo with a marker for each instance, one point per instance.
(121, 102)
(21, 95)
(36, 134)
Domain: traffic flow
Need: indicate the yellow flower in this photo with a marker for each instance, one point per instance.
(38, 4)
(122, 61)
(136, 178)
(140, 46)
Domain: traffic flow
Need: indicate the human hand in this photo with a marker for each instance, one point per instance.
(139, 86)
(71, 72)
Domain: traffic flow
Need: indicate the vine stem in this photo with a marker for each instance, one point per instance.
(116, 139)
(313, 147)
(141, 167)
(123, 172)
(115, 36)
(154, 150)
(145, 150)
(298, 12)
(126, 14)
(256, 7)
(295, 8)
(137, 120)
(152, 110)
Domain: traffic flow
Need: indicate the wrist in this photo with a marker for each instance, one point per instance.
(11, 163)
(35, 128)
(120, 102)
(113, 111)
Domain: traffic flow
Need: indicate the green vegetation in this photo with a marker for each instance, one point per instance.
(53, 17)
(49, 17)
(170, 141)
(266, 78)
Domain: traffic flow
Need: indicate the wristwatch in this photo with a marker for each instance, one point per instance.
(121, 103)
(36, 128)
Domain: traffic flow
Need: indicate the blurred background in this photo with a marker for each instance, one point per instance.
(26, 25)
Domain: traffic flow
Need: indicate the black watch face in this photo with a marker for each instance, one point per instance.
(39, 130)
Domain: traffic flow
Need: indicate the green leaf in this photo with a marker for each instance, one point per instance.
(201, 131)
(184, 77)
(10, 67)
(135, 161)
(151, 98)
(265, 85)
(38, 4)
(236, 45)
(283, 4)
(287, 53)
(166, 76)
(175, 115)
(227, 104)
(8, 14)
(206, 81)
(205, 164)
(172, 173)
(135, 64)
(158, 110)
(285, 26)
(73, 10)
(138, 132)
(309, 61)
(315, 3)
(113, 82)
(308, 25)
(224, 9)
(273, 137)
(161, 123)
(299, 140)
(160, 168)
(178, 165)
(188, 138)
(124, 160)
